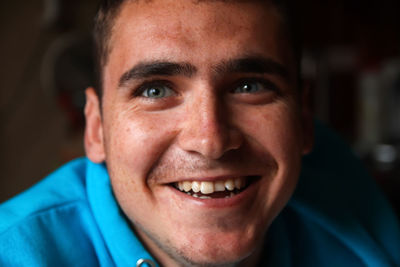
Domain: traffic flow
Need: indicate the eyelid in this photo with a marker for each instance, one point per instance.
(138, 91)
(269, 85)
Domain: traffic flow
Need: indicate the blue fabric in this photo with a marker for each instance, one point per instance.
(69, 219)
(337, 217)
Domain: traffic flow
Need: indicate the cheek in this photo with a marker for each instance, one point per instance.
(134, 143)
(281, 135)
(284, 136)
(133, 146)
(275, 128)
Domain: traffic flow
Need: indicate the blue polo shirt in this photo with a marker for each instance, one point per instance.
(337, 217)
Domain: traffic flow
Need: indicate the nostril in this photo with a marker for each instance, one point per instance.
(212, 144)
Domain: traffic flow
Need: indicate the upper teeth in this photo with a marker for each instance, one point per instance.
(208, 187)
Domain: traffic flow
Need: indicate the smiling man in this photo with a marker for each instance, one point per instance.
(195, 137)
(201, 123)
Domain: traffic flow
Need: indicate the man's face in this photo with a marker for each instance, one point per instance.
(199, 96)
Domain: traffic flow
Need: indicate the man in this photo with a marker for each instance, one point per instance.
(200, 120)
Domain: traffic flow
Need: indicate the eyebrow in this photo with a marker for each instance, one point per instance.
(157, 68)
(253, 64)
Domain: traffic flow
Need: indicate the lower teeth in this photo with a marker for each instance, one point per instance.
(231, 194)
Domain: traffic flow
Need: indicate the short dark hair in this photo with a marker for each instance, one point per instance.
(109, 9)
(103, 24)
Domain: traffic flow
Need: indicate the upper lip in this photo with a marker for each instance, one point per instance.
(212, 178)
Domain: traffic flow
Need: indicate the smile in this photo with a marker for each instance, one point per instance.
(226, 188)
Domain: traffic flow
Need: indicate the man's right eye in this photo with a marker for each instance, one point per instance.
(155, 91)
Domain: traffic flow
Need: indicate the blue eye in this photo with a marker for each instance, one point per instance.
(249, 87)
(254, 86)
(157, 91)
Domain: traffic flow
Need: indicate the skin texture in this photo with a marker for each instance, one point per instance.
(202, 129)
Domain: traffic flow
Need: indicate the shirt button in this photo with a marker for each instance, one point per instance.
(145, 263)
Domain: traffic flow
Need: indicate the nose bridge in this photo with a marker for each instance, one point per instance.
(208, 115)
(207, 129)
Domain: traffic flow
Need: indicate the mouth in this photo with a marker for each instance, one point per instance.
(224, 188)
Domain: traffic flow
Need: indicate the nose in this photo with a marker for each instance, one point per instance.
(208, 129)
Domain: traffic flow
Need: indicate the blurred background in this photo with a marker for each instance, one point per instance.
(351, 61)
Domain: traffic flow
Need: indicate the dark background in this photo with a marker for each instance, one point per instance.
(351, 62)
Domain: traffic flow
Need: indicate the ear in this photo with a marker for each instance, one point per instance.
(307, 120)
(93, 139)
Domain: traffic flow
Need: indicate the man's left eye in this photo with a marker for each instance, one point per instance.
(250, 87)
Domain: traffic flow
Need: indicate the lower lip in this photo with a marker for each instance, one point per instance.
(239, 199)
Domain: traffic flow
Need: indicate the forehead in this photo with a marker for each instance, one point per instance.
(199, 32)
(180, 15)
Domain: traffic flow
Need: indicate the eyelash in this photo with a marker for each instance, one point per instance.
(151, 83)
(265, 82)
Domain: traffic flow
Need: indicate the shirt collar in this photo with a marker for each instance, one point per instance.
(123, 245)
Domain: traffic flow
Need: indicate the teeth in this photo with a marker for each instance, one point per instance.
(230, 195)
(230, 185)
(238, 183)
(187, 186)
(219, 186)
(208, 187)
(196, 186)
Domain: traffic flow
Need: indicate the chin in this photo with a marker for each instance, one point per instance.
(220, 250)
(221, 257)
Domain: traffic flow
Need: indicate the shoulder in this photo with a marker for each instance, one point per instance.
(64, 186)
(337, 207)
(50, 218)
